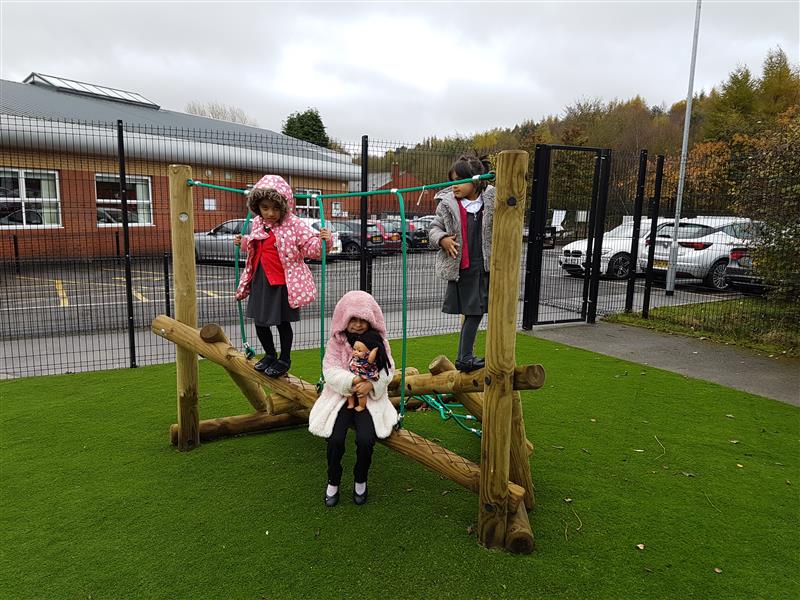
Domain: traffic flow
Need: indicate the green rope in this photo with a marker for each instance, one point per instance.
(249, 352)
(445, 410)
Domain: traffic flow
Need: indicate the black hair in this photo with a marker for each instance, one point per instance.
(468, 165)
(371, 339)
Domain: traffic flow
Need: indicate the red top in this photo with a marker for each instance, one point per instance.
(464, 248)
(270, 262)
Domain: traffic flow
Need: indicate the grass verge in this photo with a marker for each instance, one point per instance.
(95, 503)
(751, 322)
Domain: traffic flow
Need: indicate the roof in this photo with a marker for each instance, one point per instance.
(33, 109)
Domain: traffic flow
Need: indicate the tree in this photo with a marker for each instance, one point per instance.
(307, 126)
(221, 112)
(779, 87)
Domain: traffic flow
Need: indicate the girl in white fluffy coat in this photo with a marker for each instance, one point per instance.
(330, 418)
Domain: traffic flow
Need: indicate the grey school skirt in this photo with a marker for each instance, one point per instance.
(470, 294)
(269, 304)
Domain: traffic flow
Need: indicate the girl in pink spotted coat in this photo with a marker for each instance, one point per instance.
(355, 315)
(275, 277)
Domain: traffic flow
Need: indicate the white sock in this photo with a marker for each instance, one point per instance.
(332, 489)
(361, 488)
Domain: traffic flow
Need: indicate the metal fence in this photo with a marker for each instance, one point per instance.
(85, 241)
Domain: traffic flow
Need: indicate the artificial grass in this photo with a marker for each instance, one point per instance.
(97, 504)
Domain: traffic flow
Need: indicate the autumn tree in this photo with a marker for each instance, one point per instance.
(221, 112)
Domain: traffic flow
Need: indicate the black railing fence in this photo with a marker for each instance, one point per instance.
(85, 246)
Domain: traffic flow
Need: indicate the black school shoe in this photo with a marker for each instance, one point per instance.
(331, 501)
(278, 368)
(470, 364)
(360, 499)
(265, 363)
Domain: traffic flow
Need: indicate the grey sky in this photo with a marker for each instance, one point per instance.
(396, 71)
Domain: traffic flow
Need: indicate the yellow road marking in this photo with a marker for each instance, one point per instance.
(139, 296)
(62, 295)
(211, 294)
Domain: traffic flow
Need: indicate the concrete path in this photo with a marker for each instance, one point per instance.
(738, 368)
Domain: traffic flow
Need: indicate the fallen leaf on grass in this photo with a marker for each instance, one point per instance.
(409, 489)
(558, 447)
(688, 474)
(445, 492)
(593, 420)
(585, 450)
(717, 570)
(470, 529)
(567, 500)
(316, 534)
(740, 465)
(730, 416)
(640, 546)
(734, 441)
(638, 450)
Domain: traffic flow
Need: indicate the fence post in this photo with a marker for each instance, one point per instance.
(536, 221)
(181, 216)
(123, 195)
(166, 285)
(500, 346)
(598, 225)
(16, 252)
(637, 226)
(651, 249)
(365, 270)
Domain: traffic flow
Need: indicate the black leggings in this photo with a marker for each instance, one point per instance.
(365, 442)
(469, 329)
(286, 336)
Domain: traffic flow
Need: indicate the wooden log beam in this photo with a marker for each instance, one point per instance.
(472, 401)
(519, 535)
(521, 449)
(288, 386)
(449, 464)
(509, 212)
(212, 333)
(523, 377)
(214, 429)
(181, 218)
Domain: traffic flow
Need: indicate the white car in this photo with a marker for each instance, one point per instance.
(336, 247)
(704, 246)
(615, 256)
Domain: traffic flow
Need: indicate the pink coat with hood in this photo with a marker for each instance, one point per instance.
(294, 241)
(339, 378)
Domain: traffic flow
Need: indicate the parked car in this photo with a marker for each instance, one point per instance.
(419, 234)
(390, 233)
(615, 255)
(704, 246)
(217, 244)
(335, 248)
(739, 272)
(350, 236)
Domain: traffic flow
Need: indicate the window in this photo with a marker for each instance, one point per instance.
(685, 230)
(29, 198)
(307, 207)
(109, 204)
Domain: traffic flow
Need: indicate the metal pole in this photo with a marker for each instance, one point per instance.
(366, 260)
(123, 195)
(587, 264)
(166, 285)
(637, 225)
(599, 224)
(653, 213)
(673, 251)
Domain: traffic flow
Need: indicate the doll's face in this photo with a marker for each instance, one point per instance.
(360, 350)
(357, 326)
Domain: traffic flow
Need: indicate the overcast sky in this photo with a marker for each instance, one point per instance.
(398, 71)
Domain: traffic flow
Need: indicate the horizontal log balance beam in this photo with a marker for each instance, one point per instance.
(526, 377)
(440, 460)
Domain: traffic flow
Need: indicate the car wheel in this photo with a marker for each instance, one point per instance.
(351, 250)
(619, 267)
(716, 276)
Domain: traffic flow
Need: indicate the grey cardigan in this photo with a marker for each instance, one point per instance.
(448, 222)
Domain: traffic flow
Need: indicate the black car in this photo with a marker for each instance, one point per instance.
(350, 235)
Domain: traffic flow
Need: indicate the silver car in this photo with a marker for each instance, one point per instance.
(217, 244)
(704, 246)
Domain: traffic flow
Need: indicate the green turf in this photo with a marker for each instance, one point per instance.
(97, 504)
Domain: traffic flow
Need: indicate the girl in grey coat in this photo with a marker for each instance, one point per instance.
(462, 230)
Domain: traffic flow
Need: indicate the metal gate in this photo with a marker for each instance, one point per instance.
(570, 188)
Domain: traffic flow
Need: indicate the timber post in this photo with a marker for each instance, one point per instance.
(493, 512)
(181, 217)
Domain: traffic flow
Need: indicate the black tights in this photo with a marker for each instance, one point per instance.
(365, 442)
(469, 329)
(286, 336)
